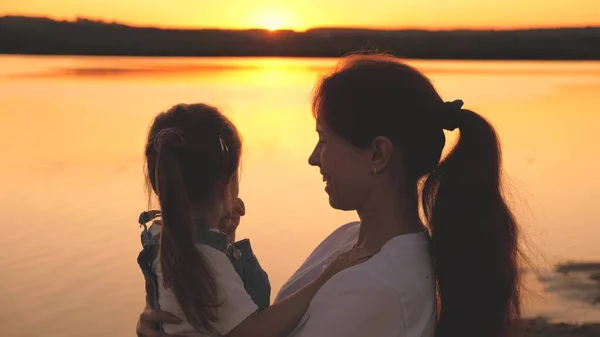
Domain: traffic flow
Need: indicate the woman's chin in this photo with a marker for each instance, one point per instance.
(334, 200)
(335, 203)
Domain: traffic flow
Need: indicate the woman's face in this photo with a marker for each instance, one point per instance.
(344, 167)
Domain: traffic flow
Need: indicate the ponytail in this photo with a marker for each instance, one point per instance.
(474, 236)
(185, 271)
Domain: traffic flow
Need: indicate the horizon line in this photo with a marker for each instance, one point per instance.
(283, 29)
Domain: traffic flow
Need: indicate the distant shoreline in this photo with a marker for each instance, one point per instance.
(547, 59)
(43, 36)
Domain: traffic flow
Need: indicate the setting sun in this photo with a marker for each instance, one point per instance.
(273, 23)
(274, 19)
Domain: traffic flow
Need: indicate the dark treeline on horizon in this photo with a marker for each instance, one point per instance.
(28, 35)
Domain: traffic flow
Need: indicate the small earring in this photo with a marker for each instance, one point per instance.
(375, 170)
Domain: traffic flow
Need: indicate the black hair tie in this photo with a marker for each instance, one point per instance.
(451, 114)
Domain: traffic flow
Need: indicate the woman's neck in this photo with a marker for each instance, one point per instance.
(384, 218)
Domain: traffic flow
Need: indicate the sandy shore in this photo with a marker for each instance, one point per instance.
(571, 281)
(542, 328)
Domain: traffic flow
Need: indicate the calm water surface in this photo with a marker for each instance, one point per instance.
(72, 135)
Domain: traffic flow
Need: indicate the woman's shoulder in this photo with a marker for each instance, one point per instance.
(338, 239)
(350, 227)
(344, 233)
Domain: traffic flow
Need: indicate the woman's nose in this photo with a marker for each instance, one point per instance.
(313, 159)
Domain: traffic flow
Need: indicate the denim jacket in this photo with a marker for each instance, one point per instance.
(255, 279)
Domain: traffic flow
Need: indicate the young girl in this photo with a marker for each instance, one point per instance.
(192, 156)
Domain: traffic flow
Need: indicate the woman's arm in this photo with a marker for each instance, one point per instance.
(276, 321)
(281, 318)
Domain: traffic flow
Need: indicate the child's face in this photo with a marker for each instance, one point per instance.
(235, 186)
(232, 191)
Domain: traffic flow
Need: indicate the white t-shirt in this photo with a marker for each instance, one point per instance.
(390, 295)
(237, 304)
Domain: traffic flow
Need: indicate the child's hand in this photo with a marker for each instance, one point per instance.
(230, 222)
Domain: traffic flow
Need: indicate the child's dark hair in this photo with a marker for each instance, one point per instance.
(473, 232)
(192, 152)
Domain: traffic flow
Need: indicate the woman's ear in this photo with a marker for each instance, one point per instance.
(382, 149)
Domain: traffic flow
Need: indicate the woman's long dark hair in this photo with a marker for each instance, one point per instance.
(474, 234)
(191, 152)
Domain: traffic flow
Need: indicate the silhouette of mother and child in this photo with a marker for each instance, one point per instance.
(435, 252)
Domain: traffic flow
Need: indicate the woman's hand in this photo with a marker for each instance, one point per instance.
(230, 222)
(346, 260)
(146, 326)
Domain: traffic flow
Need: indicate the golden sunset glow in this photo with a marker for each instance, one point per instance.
(273, 20)
(273, 23)
(79, 97)
(306, 14)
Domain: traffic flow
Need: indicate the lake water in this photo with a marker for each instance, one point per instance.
(71, 178)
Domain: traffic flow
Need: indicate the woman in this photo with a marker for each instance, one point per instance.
(381, 133)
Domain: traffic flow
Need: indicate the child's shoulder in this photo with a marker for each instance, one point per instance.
(151, 235)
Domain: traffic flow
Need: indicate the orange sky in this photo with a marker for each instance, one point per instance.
(303, 14)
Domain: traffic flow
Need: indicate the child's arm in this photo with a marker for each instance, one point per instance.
(282, 318)
(255, 279)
